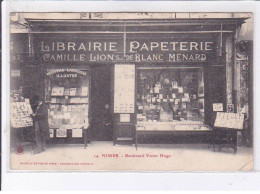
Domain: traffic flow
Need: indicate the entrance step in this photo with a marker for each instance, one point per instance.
(124, 140)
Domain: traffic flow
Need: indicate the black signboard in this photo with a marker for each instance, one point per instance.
(87, 49)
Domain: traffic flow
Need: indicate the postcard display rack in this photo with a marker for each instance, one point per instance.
(21, 121)
(68, 97)
(225, 129)
(21, 113)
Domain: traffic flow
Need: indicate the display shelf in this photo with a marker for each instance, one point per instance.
(69, 103)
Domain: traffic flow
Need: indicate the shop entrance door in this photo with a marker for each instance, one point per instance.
(100, 127)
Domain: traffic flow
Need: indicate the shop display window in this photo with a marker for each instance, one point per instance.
(68, 97)
(173, 96)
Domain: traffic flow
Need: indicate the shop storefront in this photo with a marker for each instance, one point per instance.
(113, 78)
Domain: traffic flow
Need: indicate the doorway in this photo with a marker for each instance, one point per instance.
(101, 116)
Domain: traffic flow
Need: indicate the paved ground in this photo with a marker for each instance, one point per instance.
(148, 157)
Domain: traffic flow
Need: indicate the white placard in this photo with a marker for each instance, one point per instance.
(180, 89)
(73, 91)
(76, 132)
(61, 133)
(15, 73)
(186, 95)
(229, 120)
(125, 118)
(217, 107)
(20, 114)
(57, 91)
(84, 91)
(51, 133)
(124, 93)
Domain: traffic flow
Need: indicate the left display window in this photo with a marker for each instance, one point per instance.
(67, 92)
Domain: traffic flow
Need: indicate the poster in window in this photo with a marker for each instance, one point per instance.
(201, 91)
(73, 91)
(125, 118)
(51, 133)
(201, 105)
(62, 132)
(124, 93)
(230, 108)
(15, 73)
(57, 91)
(66, 92)
(76, 132)
(217, 107)
(84, 91)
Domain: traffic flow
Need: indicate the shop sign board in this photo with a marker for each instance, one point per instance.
(130, 49)
(66, 72)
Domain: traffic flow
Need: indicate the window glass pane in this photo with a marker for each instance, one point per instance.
(68, 97)
(170, 95)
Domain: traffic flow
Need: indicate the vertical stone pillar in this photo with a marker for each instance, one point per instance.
(229, 68)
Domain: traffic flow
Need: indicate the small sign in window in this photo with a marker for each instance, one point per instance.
(15, 73)
(124, 118)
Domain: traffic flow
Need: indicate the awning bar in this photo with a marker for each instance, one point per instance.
(173, 20)
(139, 32)
(129, 25)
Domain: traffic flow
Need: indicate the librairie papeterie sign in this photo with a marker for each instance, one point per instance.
(84, 49)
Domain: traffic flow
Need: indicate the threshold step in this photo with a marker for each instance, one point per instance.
(125, 139)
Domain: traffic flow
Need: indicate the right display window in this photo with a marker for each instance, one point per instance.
(170, 95)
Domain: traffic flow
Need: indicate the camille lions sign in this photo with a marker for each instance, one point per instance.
(133, 50)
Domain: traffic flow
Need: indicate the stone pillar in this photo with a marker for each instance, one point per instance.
(229, 68)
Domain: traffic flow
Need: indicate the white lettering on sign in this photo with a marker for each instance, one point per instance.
(153, 57)
(208, 46)
(60, 46)
(73, 71)
(187, 57)
(83, 46)
(112, 46)
(194, 45)
(154, 45)
(136, 51)
(164, 46)
(66, 75)
(71, 45)
(183, 46)
(136, 46)
(64, 57)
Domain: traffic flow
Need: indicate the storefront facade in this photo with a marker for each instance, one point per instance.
(158, 75)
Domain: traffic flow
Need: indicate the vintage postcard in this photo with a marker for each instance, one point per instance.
(131, 91)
